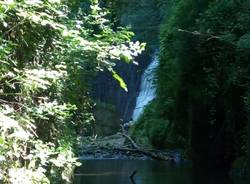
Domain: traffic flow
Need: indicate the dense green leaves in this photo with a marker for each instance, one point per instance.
(203, 79)
(50, 51)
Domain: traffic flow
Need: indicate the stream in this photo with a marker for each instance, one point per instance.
(118, 171)
(148, 172)
(147, 88)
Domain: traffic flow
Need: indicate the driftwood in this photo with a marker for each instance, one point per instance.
(134, 148)
(151, 154)
(130, 140)
(137, 149)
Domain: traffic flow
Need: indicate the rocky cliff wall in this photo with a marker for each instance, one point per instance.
(143, 16)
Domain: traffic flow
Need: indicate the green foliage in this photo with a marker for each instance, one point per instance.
(157, 130)
(24, 158)
(203, 78)
(245, 159)
(153, 130)
(50, 51)
(107, 120)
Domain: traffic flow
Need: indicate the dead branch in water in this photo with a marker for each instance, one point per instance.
(131, 141)
(134, 148)
(151, 154)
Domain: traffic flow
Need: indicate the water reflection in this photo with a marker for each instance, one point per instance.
(148, 172)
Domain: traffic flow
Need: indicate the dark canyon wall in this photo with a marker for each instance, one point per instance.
(144, 19)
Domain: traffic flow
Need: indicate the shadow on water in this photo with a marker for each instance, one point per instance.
(147, 172)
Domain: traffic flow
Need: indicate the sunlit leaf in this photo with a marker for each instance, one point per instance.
(120, 80)
(1, 140)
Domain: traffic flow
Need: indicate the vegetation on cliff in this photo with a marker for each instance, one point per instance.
(202, 82)
(51, 50)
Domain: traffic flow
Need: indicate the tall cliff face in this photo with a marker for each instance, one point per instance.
(107, 90)
(144, 18)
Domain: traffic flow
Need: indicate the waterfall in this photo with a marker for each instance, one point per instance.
(147, 88)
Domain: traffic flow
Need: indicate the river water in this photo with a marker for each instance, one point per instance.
(148, 172)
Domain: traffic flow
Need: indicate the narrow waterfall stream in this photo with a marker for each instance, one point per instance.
(147, 89)
(118, 170)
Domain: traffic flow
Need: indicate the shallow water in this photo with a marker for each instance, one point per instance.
(148, 172)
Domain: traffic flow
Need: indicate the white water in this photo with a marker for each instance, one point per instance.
(147, 89)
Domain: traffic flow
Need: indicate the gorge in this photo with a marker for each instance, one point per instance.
(201, 103)
(124, 91)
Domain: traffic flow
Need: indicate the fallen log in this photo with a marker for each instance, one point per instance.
(134, 145)
(150, 154)
(134, 148)
(137, 149)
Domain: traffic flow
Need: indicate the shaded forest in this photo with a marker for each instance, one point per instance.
(57, 59)
(202, 103)
(50, 52)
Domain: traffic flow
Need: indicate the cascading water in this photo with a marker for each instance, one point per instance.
(147, 88)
